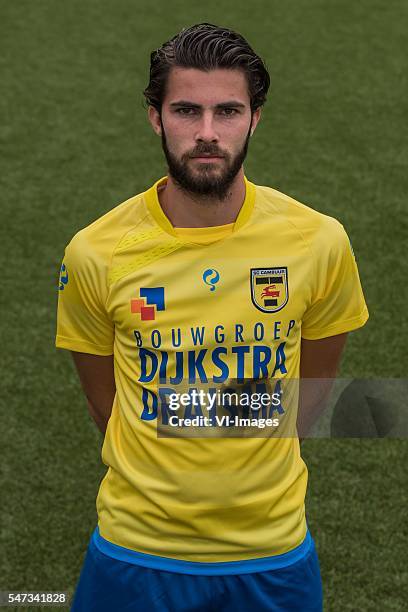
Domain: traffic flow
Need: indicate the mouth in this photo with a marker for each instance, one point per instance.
(207, 157)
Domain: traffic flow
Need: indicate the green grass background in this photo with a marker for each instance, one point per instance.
(75, 142)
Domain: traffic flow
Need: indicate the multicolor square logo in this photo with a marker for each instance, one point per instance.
(150, 301)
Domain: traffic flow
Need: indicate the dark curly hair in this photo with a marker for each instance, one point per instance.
(206, 46)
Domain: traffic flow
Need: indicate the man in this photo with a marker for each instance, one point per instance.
(203, 279)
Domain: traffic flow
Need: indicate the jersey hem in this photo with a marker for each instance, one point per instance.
(338, 328)
(221, 568)
(81, 346)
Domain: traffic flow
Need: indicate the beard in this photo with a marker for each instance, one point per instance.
(207, 180)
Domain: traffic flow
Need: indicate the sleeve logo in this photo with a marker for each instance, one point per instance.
(63, 278)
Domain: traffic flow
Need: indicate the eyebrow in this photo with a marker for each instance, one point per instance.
(228, 104)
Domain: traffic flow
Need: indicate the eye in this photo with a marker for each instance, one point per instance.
(186, 111)
(228, 112)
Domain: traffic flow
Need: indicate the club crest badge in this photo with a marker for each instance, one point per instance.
(269, 288)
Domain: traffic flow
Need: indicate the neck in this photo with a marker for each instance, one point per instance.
(186, 210)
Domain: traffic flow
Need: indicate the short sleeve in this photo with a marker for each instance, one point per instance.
(338, 303)
(83, 323)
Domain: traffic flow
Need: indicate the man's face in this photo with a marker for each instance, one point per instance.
(205, 126)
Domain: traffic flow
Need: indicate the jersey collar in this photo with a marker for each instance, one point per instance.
(153, 205)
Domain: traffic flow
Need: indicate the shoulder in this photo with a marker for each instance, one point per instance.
(97, 241)
(315, 228)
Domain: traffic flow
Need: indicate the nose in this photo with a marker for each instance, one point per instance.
(206, 131)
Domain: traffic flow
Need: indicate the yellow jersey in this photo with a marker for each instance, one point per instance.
(198, 307)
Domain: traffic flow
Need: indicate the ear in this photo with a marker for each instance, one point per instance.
(255, 119)
(154, 118)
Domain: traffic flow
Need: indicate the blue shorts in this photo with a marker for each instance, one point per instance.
(107, 584)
